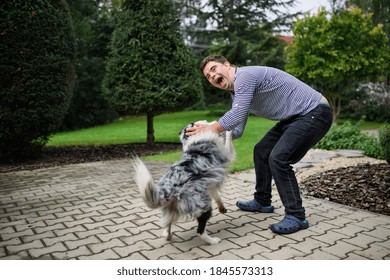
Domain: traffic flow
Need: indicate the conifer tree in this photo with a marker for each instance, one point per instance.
(150, 70)
(36, 73)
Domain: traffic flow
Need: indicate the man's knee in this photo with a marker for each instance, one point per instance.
(277, 160)
(259, 152)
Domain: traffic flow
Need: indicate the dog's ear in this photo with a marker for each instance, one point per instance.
(182, 133)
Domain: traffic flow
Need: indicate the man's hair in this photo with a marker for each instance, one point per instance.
(216, 58)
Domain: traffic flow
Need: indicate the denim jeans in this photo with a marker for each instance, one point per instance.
(286, 144)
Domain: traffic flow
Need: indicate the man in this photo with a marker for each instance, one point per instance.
(304, 117)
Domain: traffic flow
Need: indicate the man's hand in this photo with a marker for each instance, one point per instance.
(198, 128)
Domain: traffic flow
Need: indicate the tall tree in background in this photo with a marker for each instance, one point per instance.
(36, 73)
(93, 25)
(380, 10)
(331, 53)
(150, 70)
(242, 31)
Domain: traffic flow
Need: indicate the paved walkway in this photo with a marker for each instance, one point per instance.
(93, 211)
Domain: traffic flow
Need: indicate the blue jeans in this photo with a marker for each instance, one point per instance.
(286, 144)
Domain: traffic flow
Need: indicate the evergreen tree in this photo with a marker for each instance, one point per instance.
(93, 25)
(36, 73)
(150, 70)
(240, 30)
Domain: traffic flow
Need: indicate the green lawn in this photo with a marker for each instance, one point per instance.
(255, 129)
(129, 130)
(167, 127)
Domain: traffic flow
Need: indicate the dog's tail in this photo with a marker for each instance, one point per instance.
(144, 181)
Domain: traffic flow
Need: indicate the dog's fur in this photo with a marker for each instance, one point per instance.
(185, 191)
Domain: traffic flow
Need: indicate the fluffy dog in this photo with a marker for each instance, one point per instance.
(185, 191)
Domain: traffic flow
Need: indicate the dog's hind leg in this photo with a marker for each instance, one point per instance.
(169, 216)
(202, 220)
(216, 195)
(167, 233)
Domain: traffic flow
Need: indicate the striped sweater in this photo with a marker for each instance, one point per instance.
(269, 93)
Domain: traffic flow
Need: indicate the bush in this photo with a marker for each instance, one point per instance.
(349, 137)
(36, 73)
(384, 141)
(371, 100)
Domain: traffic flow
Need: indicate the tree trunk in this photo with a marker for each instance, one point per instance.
(335, 105)
(150, 129)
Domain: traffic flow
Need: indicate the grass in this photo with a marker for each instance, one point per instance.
(129, 130)
(255, 129)
(167, 126)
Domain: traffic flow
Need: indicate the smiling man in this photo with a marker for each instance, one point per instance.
(304, 117)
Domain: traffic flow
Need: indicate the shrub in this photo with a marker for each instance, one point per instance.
(348, 136)
(36, 73)
(371, 100)
(384, 141)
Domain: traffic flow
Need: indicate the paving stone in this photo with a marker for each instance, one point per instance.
(308, 245)
(156, 254)
(285, 253)
(193, 254)
(58, 239)
(380, 232)
(108, 254)
(340, 249)
(353, 256)
(99, 247)
(301, 165)
(91, 211)
(13, 249)
(81, 242)
(349, 153)
(248, 252)
(8, 236)
(72, 254)
(126, 251)
(321, 156)
(226, 255)
(41, 252)
(350, 230)
(374, 252)
(318, 254)
(362, 240)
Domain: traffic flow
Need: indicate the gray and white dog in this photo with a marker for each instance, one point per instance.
(185, 192)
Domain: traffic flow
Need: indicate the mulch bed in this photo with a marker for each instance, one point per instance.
(365, 186)
(56, 156)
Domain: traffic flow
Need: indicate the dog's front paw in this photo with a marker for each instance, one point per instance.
(208, 239)
(213, 240)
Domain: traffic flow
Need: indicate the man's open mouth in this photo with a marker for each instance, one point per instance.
(218, 80)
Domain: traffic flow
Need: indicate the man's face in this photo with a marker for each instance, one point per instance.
(218, 74)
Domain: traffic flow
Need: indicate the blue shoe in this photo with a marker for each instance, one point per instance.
(254, 206)
(289, 224)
